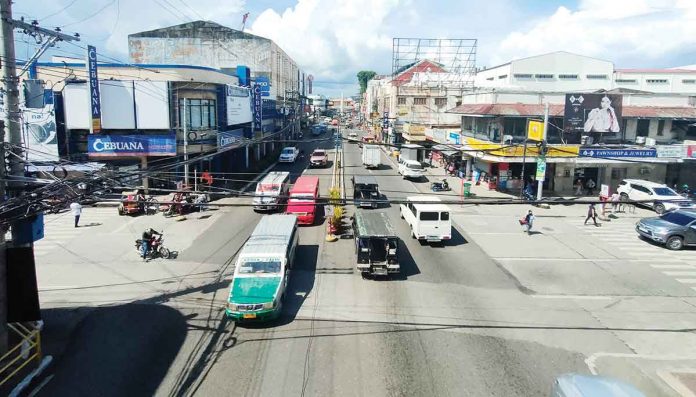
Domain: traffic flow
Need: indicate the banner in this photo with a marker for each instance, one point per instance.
(264, 85)
(257, 107)
(594, 115)
(131, 145)
(238, 105)
(640, 153)
(94, 98)
(228, 138)
(540, 168)
(39, 133)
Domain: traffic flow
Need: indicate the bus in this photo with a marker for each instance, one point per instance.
(428, 219)
(303, 199)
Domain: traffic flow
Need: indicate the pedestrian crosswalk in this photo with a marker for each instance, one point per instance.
(60, 228)
(620, 235)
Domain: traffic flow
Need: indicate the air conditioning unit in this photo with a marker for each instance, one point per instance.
(586, 140)
(507, 138)
(650, 142)
(640, 140)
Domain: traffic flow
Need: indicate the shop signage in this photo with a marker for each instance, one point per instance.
(691, 152)
(672, 151)
(618, 153)
(385, 120)
(540, 169)
(94, 98)
(227, 138)
(257, 107)
(131, 145)
(264, 86)
(591, 113)
(535, 130)
(454, 138)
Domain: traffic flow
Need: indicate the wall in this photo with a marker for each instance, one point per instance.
(674, 83)
(562, 63)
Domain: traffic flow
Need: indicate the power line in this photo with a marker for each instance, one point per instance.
(59, 11)
(91, 16)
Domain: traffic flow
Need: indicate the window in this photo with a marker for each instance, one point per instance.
(444, 216)
(543, 76)
(429, 216)
(401, 100)
(200, 113)
(643, 127)
(489, 78)
(626, 81)
(660, 127)
(502, 76)
(596, 76)
(689, 81)
(440, 102)
(568, 76)
(522, 76)
(656, 81)
(639, 188)
(419, 101)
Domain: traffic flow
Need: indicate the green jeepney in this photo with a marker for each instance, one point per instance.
(262, 270)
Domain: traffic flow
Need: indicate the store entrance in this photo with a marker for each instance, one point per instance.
(584, 175)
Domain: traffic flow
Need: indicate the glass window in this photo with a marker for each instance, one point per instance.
(596, 76)
(660, 127)
(440, 102)
(429, 216)
(677, 218)
(444, 216)
(665, 191)
(250, 267)
(200, 113)
(643, 127)
(419, 101)
(401, 100)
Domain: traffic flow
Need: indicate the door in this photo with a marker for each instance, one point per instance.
(429, 223)
(690, 237)
(638, 192)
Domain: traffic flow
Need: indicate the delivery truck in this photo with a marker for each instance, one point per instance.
(371, 156)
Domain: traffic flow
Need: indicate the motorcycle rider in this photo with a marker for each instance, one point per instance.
(148, 236)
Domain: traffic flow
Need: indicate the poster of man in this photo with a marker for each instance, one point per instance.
(596, 116)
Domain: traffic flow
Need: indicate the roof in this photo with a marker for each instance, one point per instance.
(542, 55)
(655, 71)
(271, 235)
(425, 65)
(202, 29)
(373, 223)
(364, 180)
(305, 182)
(522, 110)
(428, 203)
(275, 177)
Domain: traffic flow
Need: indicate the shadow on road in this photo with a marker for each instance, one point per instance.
(119, 351)
(409, 267)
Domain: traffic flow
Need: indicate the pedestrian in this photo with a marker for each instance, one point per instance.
(590, 185)
(615, 202)
(578, 187)
(528, 222)
(76, 209)
(592, 214)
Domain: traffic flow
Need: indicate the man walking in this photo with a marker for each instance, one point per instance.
(76, 209)
(528, 221)
(590, 186)
(592, 213)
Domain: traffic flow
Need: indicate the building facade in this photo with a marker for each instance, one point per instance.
(653, 122)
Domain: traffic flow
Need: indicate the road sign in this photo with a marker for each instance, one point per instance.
(535, 130)
(541, 169)
(618, 153)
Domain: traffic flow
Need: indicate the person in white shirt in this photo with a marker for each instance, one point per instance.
(76, 209)
(603, 118)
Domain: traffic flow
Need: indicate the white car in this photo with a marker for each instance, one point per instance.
(657, 196)
(411, 169)
(289, 155)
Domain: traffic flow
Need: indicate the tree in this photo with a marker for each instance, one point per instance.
(363, 77)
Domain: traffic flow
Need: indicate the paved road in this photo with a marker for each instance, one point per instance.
(492, 313)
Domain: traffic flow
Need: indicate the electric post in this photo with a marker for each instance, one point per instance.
(10, 133)
(541, 160)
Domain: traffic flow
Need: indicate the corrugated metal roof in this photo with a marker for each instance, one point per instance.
(519, 109)
(271, 235)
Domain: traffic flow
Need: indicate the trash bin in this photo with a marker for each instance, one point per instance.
(467, 189)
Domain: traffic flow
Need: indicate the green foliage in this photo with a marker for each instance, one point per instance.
(363, 77)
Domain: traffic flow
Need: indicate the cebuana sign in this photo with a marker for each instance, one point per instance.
(131, 145)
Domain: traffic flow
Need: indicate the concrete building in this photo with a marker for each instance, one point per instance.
(657, 120)
(142, 118)
(209, 44)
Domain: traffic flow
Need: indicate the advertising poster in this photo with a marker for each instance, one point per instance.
(238, 105)
(131, 145)
(594, 115)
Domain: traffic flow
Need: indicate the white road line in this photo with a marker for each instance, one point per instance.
(679, 273)
(686, 280)
(586, 297)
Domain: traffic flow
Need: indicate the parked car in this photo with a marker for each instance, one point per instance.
(289, 154)
(319, 158)
(660, 197)
(411, 169)
(674, 229)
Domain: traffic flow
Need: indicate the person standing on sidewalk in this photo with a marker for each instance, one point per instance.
(590, 186)
(592, 213)
(76, 209)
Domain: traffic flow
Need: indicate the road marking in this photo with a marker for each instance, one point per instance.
(586, 297)
(687, 280)
(688, 274)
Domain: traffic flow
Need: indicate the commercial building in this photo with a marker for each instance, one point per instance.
(209, 44)
(144, 109)
(648, 133)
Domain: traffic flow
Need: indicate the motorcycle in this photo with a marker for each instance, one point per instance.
(440, 186)
(155, 249)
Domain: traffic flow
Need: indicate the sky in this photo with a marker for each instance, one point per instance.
(333, 40)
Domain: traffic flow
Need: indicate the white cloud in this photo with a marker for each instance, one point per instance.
(631, 33)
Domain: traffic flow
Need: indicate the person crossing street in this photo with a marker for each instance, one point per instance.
(76, 209)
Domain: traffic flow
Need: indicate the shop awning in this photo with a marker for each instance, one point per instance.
(447, 150)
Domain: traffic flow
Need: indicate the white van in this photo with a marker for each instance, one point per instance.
(271, 191)
(428, 220)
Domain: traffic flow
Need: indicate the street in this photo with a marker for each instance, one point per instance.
(492, 312)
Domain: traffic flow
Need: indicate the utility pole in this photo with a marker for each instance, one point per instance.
(541, 160)
(186, 164)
